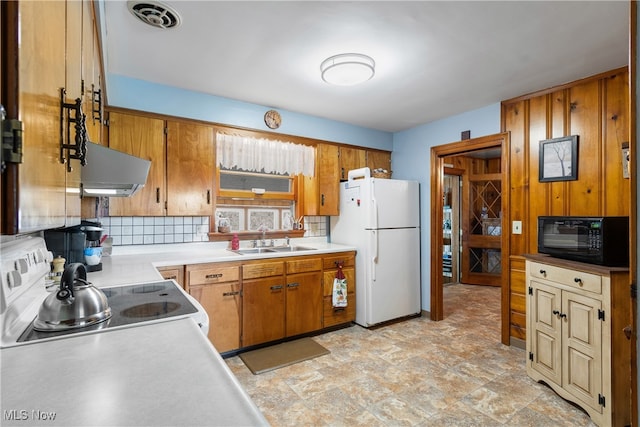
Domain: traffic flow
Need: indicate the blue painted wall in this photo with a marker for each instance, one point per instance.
(142, 95)
(411, 159)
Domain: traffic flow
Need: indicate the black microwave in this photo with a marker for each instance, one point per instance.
(594, 240)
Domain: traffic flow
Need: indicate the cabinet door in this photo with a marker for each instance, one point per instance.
(303, 303)
(90, 76)
(350, 159)
(190, 169)
(40, 177)
(582, 348)
(379, 159)
(263, 310)
(223, 304)
(142, 137)
(544, 311)
(328, 180)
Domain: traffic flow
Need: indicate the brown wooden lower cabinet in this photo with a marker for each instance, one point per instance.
(175, 272)
(263, 310)
(259, 301)
(217, 287)
(337, 315)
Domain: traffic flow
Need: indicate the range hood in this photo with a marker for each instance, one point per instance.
(112, 173)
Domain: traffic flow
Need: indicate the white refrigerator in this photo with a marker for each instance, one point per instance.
(380, 217)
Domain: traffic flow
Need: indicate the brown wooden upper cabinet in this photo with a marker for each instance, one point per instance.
(351, 158)
(45, 44)
(142, 137)
(190, 169)
(379, 160)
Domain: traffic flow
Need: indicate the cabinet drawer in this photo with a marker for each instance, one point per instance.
(329, 276)
(304, 265)
(575, 279)
(348, 260)
(336, 316)
(213, 275)
(264, 269)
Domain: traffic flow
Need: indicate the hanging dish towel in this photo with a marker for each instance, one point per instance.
(339, 298)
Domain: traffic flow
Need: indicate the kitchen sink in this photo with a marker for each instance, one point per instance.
(291, 248)
(252, 251)
(272, 249)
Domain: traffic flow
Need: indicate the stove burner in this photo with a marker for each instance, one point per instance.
(146, 302)
(152, 309)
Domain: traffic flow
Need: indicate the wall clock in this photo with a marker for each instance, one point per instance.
(272, 119)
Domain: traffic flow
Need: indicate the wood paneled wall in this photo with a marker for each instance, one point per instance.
(597, 110)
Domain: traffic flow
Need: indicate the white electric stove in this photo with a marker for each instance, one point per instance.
(24, 269)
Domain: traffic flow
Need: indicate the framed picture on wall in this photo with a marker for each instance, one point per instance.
(559, 159)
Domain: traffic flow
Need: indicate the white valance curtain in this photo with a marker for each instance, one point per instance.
(259, 154)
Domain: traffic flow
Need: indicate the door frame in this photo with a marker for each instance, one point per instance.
(502, 141)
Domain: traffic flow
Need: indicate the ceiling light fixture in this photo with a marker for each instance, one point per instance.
(347, 69)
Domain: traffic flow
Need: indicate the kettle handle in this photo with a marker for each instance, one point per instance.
(68, 278)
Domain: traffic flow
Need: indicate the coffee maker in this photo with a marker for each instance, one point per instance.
(80, 243)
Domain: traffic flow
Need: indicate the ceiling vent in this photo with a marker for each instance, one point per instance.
(155, 13)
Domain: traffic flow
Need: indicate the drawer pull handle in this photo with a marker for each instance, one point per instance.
(337, 263)
(230, 294)
(338, 309)
(174, 277)
(563, 316)
(556, 312)
(293, 285)
(276, 287)
(578, 280)
(214, 276)
(543, 272)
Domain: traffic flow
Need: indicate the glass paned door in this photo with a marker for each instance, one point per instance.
(482, 228)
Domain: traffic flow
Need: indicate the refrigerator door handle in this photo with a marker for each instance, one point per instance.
(374, 213)
(374, 257)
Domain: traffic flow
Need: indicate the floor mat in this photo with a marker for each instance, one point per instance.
(280, 355)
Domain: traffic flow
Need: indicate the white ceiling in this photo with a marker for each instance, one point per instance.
(433, 59)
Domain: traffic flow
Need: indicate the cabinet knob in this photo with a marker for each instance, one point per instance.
(543, 272)
(578, 280)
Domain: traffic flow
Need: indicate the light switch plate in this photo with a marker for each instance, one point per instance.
(516, 227)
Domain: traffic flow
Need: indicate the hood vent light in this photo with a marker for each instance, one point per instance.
(155, 13)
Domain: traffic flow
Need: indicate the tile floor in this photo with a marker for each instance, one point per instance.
(414, 373)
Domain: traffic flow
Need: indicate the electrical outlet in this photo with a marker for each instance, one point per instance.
(516, 227)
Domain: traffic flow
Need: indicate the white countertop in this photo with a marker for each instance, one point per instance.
(164, 374)
(137, 264)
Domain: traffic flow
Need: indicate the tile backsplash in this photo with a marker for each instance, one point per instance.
(149, 230)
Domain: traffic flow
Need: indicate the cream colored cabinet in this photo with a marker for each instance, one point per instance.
(218, 289)
(338, 315)
(575, 339)
(143, 137)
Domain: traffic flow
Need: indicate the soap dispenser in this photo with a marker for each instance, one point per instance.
(235, 242)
